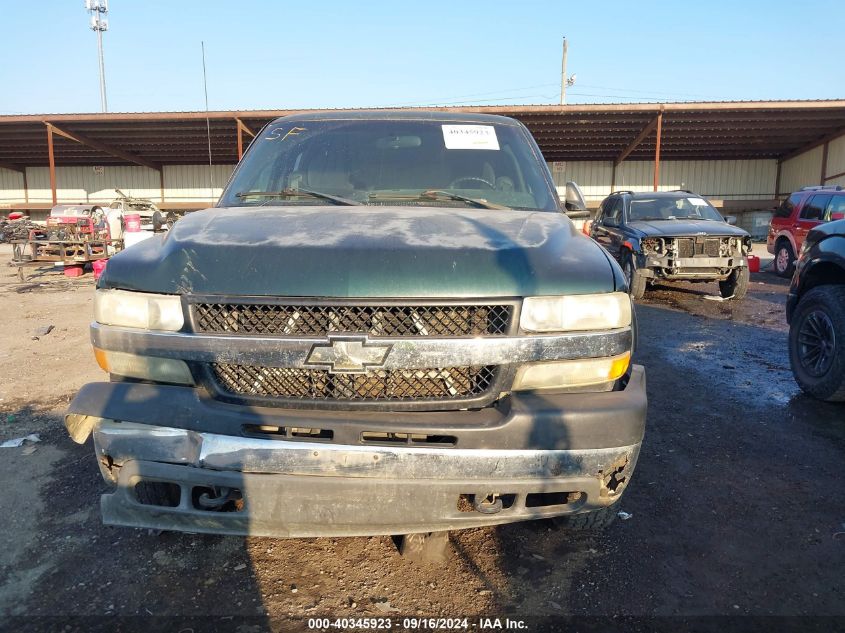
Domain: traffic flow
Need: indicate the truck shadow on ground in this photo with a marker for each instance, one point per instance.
(725, 422)
(68, 564)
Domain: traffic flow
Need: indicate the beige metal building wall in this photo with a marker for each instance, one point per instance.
(801, 171)
(190, 183)
(806, 169)
(718, 179)
(83, 184)
(11, 185)
(836, 162)
(183, 183)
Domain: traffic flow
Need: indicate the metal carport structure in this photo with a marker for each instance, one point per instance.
(742, 130)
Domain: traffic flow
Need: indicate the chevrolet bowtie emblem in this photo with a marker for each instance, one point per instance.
(348, 354)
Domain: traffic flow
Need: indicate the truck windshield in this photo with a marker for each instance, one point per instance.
(392, 162)
(667, 208)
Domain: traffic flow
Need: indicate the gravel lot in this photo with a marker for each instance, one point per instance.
(737, 502)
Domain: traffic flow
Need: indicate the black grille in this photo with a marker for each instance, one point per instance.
(449, 383)
(377, 320)
(692, 247)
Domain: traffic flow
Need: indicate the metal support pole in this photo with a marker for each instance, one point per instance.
(825, 149)
(25, 187)
(240, 141)
(161, 182)
(52, 159)
(563, 73)
(777, 179)
(103, 102)
(657, 150)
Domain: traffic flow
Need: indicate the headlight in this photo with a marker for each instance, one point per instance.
(572, 313)
(570, 373)
(652, 245)
(138, 309)
(144, 367)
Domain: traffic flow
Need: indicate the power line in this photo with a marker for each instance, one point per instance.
(640, 95)
(476, 94)
(673, 93)
(207, 125)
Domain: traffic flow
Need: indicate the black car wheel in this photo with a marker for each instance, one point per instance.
(784, 259)
(635, 278)
(817, 343)
(736, 285)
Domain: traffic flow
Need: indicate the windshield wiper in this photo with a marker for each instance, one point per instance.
(286, 193)
(435, 194)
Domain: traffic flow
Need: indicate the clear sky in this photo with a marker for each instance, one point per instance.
(274, 55)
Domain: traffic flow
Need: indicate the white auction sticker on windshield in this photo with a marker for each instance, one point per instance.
(470, 137)
(699, 202)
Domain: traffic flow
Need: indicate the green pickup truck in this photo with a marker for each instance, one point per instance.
(387, 325)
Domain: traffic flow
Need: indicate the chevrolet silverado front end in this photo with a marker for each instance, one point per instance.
(405, 359)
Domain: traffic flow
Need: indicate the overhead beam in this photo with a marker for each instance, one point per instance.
(648, 129)
(12, 167)
(834, 176)
(242, 127)
(103, 147)
(827, 138)
(52, 158)
(245, 127)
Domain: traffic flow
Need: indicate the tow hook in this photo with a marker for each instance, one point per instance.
(487, 503)
(222, 496)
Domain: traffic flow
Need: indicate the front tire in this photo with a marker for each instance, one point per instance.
(736, 285)
(635, 277)
(784, 259)
(817, 343)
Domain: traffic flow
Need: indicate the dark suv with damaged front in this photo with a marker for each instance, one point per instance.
(673, 236)
(386, 326)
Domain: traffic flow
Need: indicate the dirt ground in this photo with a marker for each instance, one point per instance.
(737, 504)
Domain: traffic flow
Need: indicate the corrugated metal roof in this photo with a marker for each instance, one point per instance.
(690, 130)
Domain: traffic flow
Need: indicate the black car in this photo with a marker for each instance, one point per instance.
(815, 310)
(673, 236)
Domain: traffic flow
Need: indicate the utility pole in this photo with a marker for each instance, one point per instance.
(99, 9)
(563, 73)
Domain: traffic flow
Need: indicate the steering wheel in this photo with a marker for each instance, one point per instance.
(453, 184)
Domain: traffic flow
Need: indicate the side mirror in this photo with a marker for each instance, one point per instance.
(730, 219)
(837, 216)
(574, 200)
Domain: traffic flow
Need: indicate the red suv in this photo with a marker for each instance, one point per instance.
(793, 219)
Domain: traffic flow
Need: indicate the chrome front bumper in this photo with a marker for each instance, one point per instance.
(304, 489)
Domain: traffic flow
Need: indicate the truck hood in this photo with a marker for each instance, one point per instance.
(678, 228)
(372, 251)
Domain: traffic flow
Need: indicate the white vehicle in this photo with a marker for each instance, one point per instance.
(152, 218)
